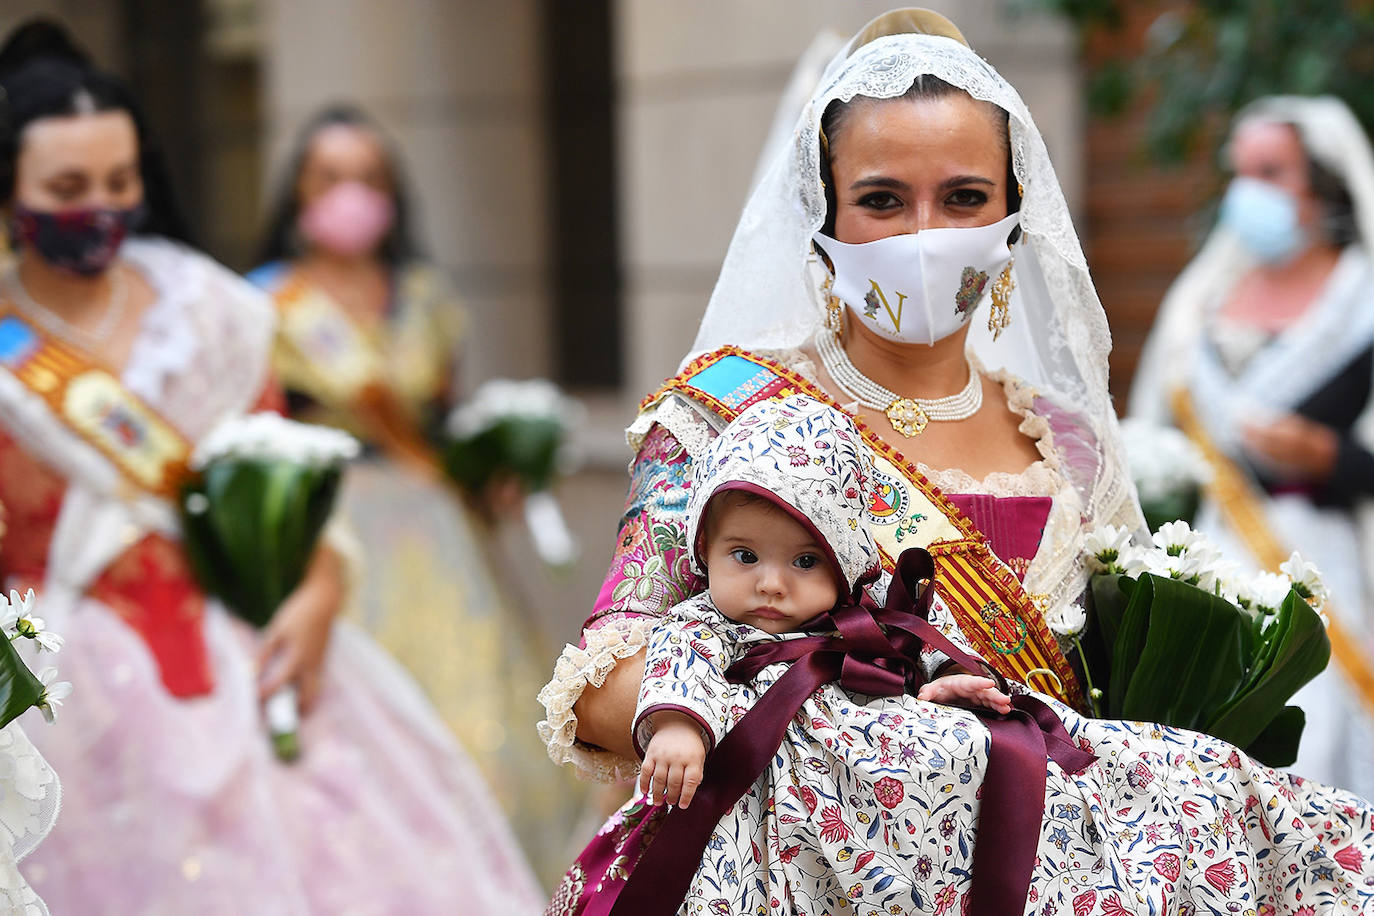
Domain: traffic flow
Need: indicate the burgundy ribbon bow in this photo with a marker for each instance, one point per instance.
(876, 652)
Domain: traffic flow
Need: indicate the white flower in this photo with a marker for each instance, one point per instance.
(1176, 537)
(1162, 460)
(1268, 591)
(15, 608)
(34, 628)
(1136, 560)
(1067, 620)
(500, 398)
(1103, 547)
(1307, 580)
(53, 693)
(271, 437)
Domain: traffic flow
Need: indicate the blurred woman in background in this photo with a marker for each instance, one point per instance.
(369, 341)
(1264, 350)
(120, 348)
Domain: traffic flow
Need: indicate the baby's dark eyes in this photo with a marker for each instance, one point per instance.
(744, 555)
(807, 561)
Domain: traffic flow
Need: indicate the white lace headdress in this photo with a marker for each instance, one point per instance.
(1331, 135)
(767, 296)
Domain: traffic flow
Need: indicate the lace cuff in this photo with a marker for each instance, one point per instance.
(577, 668)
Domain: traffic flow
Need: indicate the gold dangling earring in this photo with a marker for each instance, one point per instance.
(999, 316)
(834, 317)
(834, 320)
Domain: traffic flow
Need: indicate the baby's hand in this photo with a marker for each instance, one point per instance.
(673, 761)
(966, 690)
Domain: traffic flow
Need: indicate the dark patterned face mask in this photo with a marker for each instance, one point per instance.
(84, 241)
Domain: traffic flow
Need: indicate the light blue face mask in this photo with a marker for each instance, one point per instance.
(1264, 218)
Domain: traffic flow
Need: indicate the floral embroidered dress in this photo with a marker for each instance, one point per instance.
(173, 800)
(1166, 821)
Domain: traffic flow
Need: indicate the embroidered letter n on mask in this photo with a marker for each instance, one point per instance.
(923, 286)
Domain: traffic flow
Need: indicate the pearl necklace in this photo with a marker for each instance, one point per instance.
(908, 416)
(88, 340)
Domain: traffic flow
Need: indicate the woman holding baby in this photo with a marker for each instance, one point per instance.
(909, 262)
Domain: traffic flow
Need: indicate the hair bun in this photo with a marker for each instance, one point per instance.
(38, 39)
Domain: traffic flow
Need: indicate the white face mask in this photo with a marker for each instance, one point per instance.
(920, 287)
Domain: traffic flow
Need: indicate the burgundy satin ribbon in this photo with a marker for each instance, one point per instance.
(878, 661)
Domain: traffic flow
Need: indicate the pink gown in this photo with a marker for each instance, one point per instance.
(173, 800)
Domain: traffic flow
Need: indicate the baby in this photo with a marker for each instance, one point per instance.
(777, 524)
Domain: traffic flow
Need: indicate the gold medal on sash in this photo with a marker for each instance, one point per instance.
(92, 402)
(320, 346)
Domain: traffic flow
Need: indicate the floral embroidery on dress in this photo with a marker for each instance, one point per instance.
(650, 571)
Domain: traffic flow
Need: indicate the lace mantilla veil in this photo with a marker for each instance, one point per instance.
(1331, 135)
(768, 294)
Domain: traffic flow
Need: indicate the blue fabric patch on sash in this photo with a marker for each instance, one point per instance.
(17, 341)
(268, 276)
(732, 380)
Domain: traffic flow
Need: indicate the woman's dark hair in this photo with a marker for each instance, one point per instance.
(1338, 209)
(924, 86)
(43, 74)
(281, 240)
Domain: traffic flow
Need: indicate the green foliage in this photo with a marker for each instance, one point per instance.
(19, 689)
(1205, 60)
(251, 527)
(1186, 657)
(525, 447)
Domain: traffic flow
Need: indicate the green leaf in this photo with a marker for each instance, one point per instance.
(1298, 650)
(19, 689)
(1130, 639)
(1109, 605)
(1193, 655)
(1277, 745)
(254, 542)
(622, 590)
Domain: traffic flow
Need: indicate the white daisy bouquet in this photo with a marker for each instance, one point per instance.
(20, 689)
(1181, 637)
(263, 489)
(518, 429)
(1168, 470)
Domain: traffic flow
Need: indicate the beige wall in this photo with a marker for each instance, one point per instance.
(699, 84)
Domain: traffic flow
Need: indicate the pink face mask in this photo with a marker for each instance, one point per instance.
(349, 219)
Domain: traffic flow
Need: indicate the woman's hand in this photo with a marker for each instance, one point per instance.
(1294, 447)
(965, 690)
(294, 643)
(673, 761)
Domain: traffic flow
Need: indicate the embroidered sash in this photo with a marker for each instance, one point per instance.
(153, 596)
(1243, 508)
(92, 402)
(992, 608)
(320, 343)
(323, 351)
